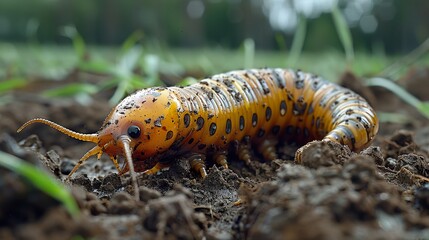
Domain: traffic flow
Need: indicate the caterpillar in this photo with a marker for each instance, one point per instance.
(249, 108)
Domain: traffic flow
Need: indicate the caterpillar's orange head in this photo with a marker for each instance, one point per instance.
(146, 121)
(143, 125)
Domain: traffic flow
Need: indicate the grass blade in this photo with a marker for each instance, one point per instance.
(11, 84)
(407, 60)
(124, 71)
(249, 52)
(72, 89)
(298, 41)
(41, 180)
(343, 33)
(78, 42)
(187, 81)
(132, 40)
(422, 107)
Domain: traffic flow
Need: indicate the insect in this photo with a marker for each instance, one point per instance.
(257, 108)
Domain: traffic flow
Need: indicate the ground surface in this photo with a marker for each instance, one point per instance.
(380, 193)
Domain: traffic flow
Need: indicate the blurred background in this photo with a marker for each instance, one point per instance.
(392, 26)
(156, 42)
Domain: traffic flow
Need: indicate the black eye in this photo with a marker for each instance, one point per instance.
(133, 131)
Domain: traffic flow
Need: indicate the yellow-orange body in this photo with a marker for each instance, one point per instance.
(260, 107)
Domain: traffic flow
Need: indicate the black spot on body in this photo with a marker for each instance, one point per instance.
(318, 122)
(279, 79)
(157, 122)
(283, 108)
(201, 146)
(299, 107)
(275, 129)
(261, 132)
(254, 119)
(228, 126)
(289, 95)
(316, 83)
(216, 89)
(347, 134)
(349, 111)
(227, 82)
(177, 144)
(200, 123)
(297, 131)
(299, 84)
(147, 120)
(306, 133)
(212, 129)
(268, 113)
(310, 109)
(186, 120)
(264, 86)
(169, 135)
(241, 123)
(290, 130)
(237, 97)
(191, 141)
(210, 95)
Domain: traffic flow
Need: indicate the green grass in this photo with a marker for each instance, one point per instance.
(343, 33)
(57, 62)
(12, 83)
(422, 107)
(41, 180)
(298, 42)
(23, 63)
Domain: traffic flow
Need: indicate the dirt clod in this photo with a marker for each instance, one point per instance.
(322, 153)
(174, 216)
(400, 143)
(421, 198)
(122, 203)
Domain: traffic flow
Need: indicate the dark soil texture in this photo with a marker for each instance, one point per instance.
(379, 193)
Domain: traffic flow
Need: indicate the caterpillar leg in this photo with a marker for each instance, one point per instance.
(268, 149)
(298, 155)
(93, 151)
(198, 164)
(220, 158)
(158, 166)
(244, 153)
(115, 162)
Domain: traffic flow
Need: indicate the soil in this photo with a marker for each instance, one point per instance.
(379, 193)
